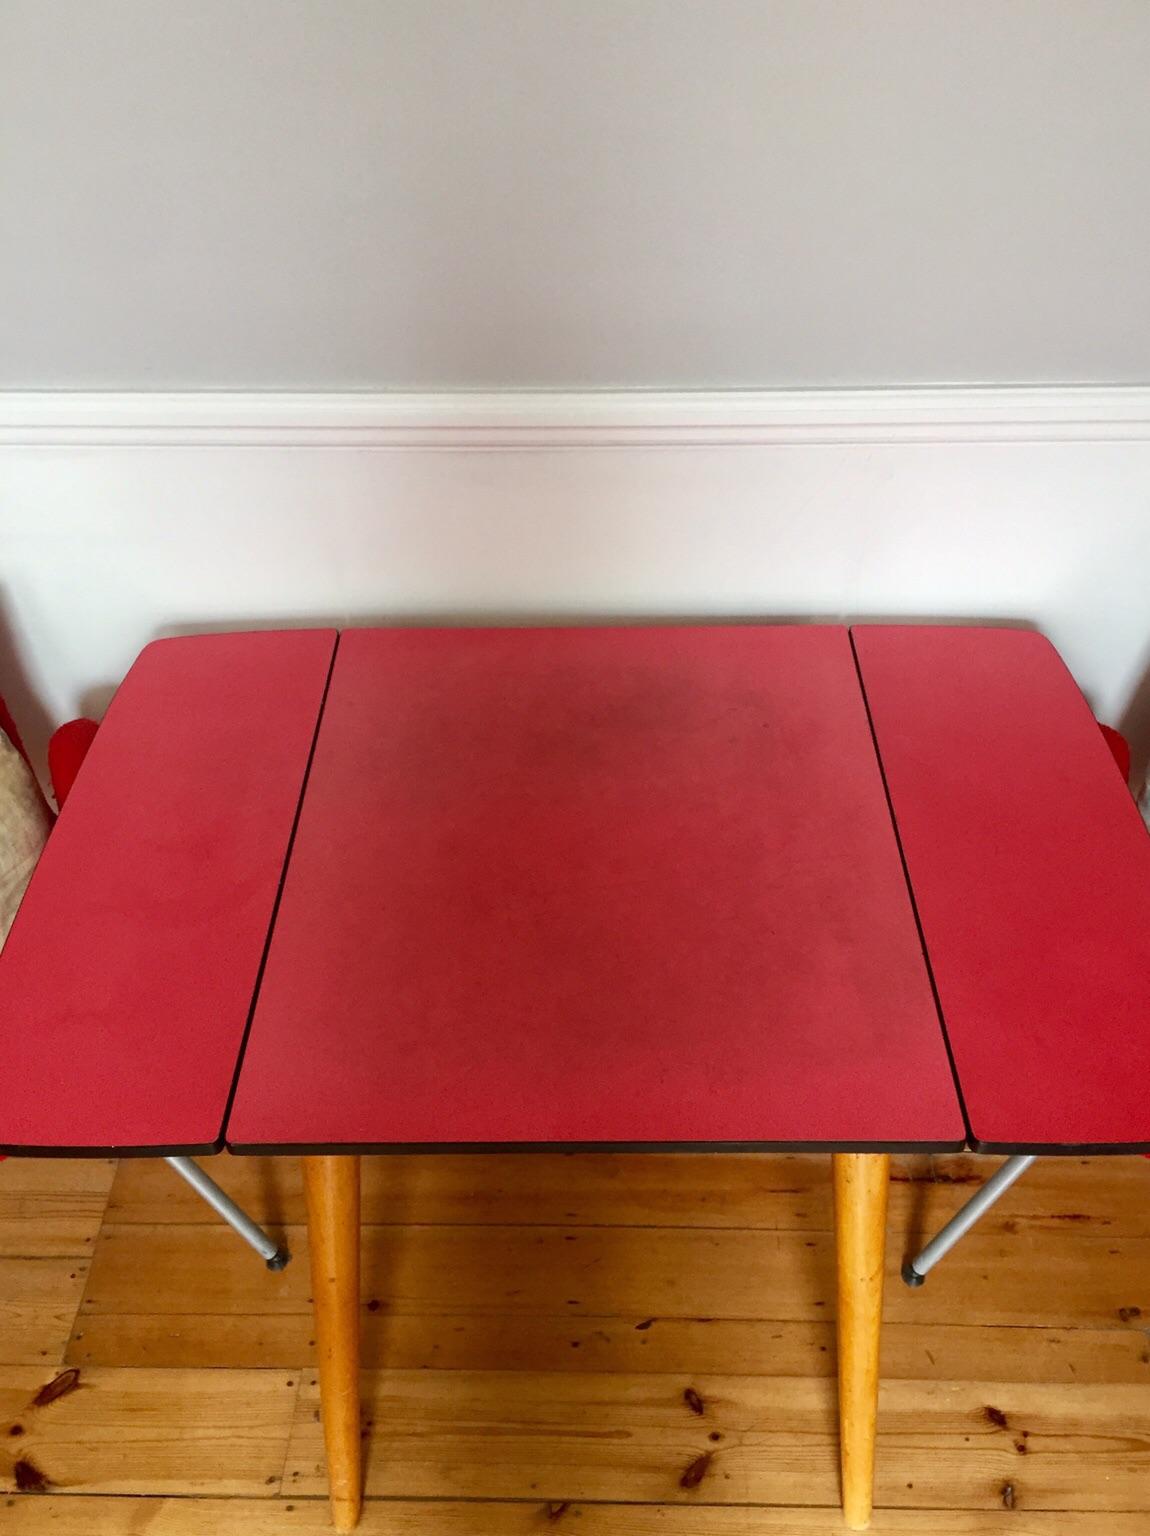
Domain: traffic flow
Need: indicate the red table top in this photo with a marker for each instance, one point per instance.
(1031, 872)
(585, 887)
(625, 886)
(127, 979)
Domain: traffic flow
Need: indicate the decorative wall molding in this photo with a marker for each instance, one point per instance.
(126, 516)
(583, 419)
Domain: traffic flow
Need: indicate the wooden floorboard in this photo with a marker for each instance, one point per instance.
(1068, 1278)
(760, 1439)
(52, 1207)
(127, 1431)
(512, 1341)
(785, 1192)
(39, 1298)
(531, 1325)
(780, 1193)
(295, 1516)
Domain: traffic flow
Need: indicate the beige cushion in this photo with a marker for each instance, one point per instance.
(24, 824)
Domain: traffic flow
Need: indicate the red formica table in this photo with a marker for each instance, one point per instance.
(709, 887)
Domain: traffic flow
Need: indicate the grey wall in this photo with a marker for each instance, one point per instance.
(488, 193)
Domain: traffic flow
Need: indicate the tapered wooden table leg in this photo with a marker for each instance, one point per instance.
(332, 1188)
(861, 1183)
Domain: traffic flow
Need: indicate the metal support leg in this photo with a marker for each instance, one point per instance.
(274, 1256)
(915, 1270)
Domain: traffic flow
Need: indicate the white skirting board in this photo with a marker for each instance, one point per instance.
(125, 516)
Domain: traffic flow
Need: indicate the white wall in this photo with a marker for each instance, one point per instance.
(450, 194)
(123, 519)
(328, 194)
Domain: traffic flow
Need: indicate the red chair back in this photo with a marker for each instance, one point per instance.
(66, 753)
(1119, 749)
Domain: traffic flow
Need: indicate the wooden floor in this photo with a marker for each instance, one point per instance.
(612, 1346)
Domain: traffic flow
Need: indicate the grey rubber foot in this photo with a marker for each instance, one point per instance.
(279, 1259)
(911, 1275)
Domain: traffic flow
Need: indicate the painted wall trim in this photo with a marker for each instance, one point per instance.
(585, 419)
